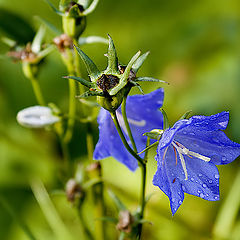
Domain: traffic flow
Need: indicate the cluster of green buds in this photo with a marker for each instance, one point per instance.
(74, 14)
(114, 83)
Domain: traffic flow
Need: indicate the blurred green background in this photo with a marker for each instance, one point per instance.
(194, 45)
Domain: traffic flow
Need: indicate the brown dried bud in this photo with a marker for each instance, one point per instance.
(24, 55)
(125, 221)
(62, 42)
(107, 81)
(73, 190)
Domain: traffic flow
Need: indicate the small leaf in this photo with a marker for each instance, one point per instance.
(150, 146)
(139, 62)
(45, 52)
(185, 115)
(165, 120)
(149, 79)
(54, 8)
(81, 80)
(91, 8)
(92, 39)
(154, 134)
(112, 58)
(92, 69)
(117, 201)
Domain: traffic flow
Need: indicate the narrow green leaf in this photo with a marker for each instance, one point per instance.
(123, 80)
(149, 147)
(92, 69)
(139, 62)
(45, 52)
(91, 8)
(92, 39)
(165, 120)
(54, 8)
(117, 201)
(108, 219)
(12, 213)
(50, 212)
(112, 58)
(149, 79)
(81, 80)
(185, 115)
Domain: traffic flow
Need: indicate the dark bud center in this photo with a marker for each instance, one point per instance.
(107, 81)
(132, 74)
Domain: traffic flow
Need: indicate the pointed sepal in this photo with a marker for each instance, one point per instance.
(185, 115)
(112, 58)
(165, 120)
(92, 69)
(138, 86)
(82, 81)
(119, 204)
(37, 41)
(139, 62)
(149, 79)
(91, 8)
(90, 94)
(54, 8)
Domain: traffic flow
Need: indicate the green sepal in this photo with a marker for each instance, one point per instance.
(149, 147)
(112, 58)
(107, 219)
(124, 79)
(92, 39)
(154, 134)
(90, 94)
(149, 79)
(185, 115)
(139, 62)
(91, 8)
(64, 5)
(89, 103)
(138, 86)
(82, 81)
(92, 69)
(37, 41)
(165, 120)
(54, 8)
(119, 204)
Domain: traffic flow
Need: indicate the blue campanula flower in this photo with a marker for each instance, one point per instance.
(143, 115)
(187, 154)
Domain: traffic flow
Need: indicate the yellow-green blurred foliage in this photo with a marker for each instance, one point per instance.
(194, 45)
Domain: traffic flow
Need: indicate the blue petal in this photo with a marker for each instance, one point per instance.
(143, 115)
(168, 177)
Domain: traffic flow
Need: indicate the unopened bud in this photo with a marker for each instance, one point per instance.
(125, 221)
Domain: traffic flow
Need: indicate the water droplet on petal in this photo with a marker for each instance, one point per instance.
(183, 188)
(180, 202)
(204, 185)
(173, 200)
(224, 159)
(216, 197)
(192, 133)
(210, 181)
(199, 174)
(216, 176)
(201, 195)
(192, 179)
(199, 191)
(184, 132)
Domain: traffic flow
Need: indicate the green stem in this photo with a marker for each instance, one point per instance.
(118, 127)
(27, 70)
(84, 225)
(124, 114)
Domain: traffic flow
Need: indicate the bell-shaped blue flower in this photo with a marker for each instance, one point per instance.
(143, 115)
(187, 154)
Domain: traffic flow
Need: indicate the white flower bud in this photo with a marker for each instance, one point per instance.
(36, 117)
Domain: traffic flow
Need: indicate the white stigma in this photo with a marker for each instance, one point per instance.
(183, 150)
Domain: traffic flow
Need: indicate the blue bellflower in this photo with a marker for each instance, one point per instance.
(187, 154)
(143, 115)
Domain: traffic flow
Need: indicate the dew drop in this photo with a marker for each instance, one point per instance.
(199, 191)
(184, 132)
(199, 174)
(201, 195)
(210, 181)
(183, 188)
(192, 179)
(224, 159)
(180, 202)
(216, 176)
(192, 133)
(173, 200)
(204, 185)
(216, 197)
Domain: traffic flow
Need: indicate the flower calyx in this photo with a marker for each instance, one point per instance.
(111, 85)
